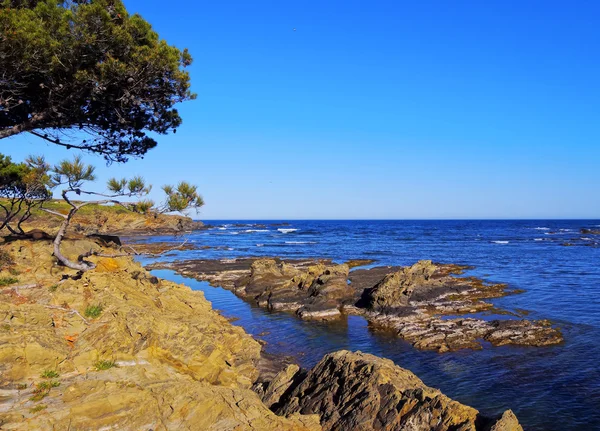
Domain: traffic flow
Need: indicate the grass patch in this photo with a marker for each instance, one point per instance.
(22, 386)
(104, 365)
(38, 408)
(42, 389)
(7, 281)
(49, 374)
(53, 288)
(93, 311)
(6, 327)
(47, 385)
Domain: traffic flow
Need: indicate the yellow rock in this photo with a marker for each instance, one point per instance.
(178, 363)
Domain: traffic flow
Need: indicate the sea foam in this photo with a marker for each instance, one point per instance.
(287, 230)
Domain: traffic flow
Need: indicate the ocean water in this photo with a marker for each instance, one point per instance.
(549, 388)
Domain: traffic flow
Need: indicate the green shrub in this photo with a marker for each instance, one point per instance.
(49, 374)
(38, 408)
(104, 365)
(42, 389)
(53, 288)
(93, 311)
(6, 281)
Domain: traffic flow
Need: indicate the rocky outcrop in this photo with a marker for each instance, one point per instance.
(112, 220)
(395, 290)
(314, 291)
(357, 391)
(116, 348)
(426, 304)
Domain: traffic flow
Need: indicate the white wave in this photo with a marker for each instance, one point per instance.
(256, 230)
(500, 242)
(587, 239)
(538, 239)
(287, 230)
(234, 233)
(541, 228)
(222, 228)
(300, 242)
(566, 230)
(260, 245)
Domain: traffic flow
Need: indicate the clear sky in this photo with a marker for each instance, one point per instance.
(380, 109)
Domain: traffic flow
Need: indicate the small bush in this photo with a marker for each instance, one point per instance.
(104, 365)
(53, 288)
(38, 408)
(49, 374)
(21, 386)
(42, 389)
(93, 311)
(7, 281)
(48, 385)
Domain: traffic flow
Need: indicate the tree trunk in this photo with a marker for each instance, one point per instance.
(81, 265)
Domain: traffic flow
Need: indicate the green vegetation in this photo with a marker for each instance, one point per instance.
(23, 188)
(42, 389)
(53, 288)
(89, 66)
(7, 281)
(104, 365)
(73, 174)
(38, 408)
(21, 386)
(49, 374)
(93, 311)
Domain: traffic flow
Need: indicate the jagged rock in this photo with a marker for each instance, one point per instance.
(508, 422)
(357, 391)
(178, 363)
(313, 292)
(395, 289)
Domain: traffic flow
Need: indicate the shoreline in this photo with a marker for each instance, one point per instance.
(122, 287)
(428, 305)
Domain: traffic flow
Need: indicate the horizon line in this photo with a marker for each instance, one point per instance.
(400, 219)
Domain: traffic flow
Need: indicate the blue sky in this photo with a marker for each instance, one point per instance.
(380, 109)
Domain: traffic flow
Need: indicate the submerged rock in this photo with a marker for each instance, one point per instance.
(357, 391)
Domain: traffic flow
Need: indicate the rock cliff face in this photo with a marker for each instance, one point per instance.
(120, 349)
(357, 391)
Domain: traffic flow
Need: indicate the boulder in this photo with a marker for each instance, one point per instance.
(358, 391)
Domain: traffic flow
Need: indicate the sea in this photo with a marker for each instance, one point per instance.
(556, 263)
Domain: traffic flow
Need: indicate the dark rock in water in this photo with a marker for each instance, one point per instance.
(396, 289)
(585, 231)
(413, 302)
(359, 262)
(313, 292)
(357, 391)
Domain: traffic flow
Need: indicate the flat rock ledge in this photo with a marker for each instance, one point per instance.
(425, 304)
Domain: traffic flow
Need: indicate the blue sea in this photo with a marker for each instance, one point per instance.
(557, 266)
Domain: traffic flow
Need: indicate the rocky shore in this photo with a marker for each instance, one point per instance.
(116, 348)
(113, 220)
(426, 304)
